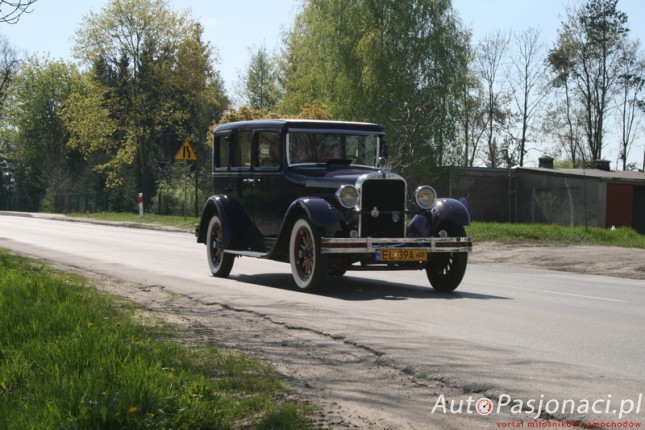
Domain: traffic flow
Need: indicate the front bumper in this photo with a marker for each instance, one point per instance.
(371, 245)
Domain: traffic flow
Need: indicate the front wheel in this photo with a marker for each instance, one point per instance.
(219, 261)
(446, 270)
(308, 266)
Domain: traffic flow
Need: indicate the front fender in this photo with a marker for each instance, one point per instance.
(318, 210)
(450, 210)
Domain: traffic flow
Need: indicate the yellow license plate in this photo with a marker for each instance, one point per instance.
(404, 254)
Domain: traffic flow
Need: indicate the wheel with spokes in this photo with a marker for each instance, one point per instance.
(308, 266)
(219, 261)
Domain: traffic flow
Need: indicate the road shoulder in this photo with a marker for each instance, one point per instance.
(585, 259)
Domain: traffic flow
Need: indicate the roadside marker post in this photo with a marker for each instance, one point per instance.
(140, 205)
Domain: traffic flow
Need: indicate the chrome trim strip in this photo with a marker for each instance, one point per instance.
(247, 253)
(377, 175)
(371, 245)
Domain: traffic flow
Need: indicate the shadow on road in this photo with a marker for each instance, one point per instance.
(361, 289)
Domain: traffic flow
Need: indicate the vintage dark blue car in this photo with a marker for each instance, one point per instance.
(317, 195)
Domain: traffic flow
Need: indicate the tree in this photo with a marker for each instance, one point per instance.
(527, 84)
(45, 165)
(11, 11)
(8, 68)
(260, 85)
(590, 45)
(473, 122)
(472, 116)
(565, 116)
(153, 82)
(9, 64)
(398, 63)
(631, 83)
(244, 113)
(490, 59)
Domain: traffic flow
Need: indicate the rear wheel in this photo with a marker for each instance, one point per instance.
(308, 266)
(219, 261)
(446, 270)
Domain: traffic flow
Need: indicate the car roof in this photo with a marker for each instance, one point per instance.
(303, 124)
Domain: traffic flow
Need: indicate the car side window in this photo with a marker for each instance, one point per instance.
(268, 144)
(222, 151)
(242, 149)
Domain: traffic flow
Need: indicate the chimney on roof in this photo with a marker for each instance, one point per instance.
(602, 165)
(546, 162)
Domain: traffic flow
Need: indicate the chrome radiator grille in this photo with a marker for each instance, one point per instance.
(383, 208)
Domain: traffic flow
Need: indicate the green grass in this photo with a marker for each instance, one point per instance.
(165, 220)
(480, 231)
(71, 357)
(550, 234)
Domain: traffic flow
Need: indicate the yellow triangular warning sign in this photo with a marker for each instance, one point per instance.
(186, 152)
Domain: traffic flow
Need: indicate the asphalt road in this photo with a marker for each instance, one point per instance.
(525, 332)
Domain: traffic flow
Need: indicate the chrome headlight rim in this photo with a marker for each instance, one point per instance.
(347, 196)
(425, 196)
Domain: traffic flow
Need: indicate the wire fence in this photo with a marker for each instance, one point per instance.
(103, 201)
(14, 203)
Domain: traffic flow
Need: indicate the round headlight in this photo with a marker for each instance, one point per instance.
(425, 196)
(347, 196)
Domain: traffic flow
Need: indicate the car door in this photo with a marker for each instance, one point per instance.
(269, 202)
(232, 177)
(240, 173)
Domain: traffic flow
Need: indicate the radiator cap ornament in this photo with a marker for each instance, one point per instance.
(374, 212)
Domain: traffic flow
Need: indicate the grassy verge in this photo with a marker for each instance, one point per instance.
(480, 231)
(165, 220)
(537, 233)
(71, 357)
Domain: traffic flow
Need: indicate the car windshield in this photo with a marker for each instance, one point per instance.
(320, 147)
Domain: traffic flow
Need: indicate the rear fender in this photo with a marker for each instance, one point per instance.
(237, 227)
(215, 205)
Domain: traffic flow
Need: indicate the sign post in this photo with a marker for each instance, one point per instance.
(187, 153)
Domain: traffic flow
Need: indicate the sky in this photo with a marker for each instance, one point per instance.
(236, 27)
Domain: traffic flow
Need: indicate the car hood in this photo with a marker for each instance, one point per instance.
(335, 178)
